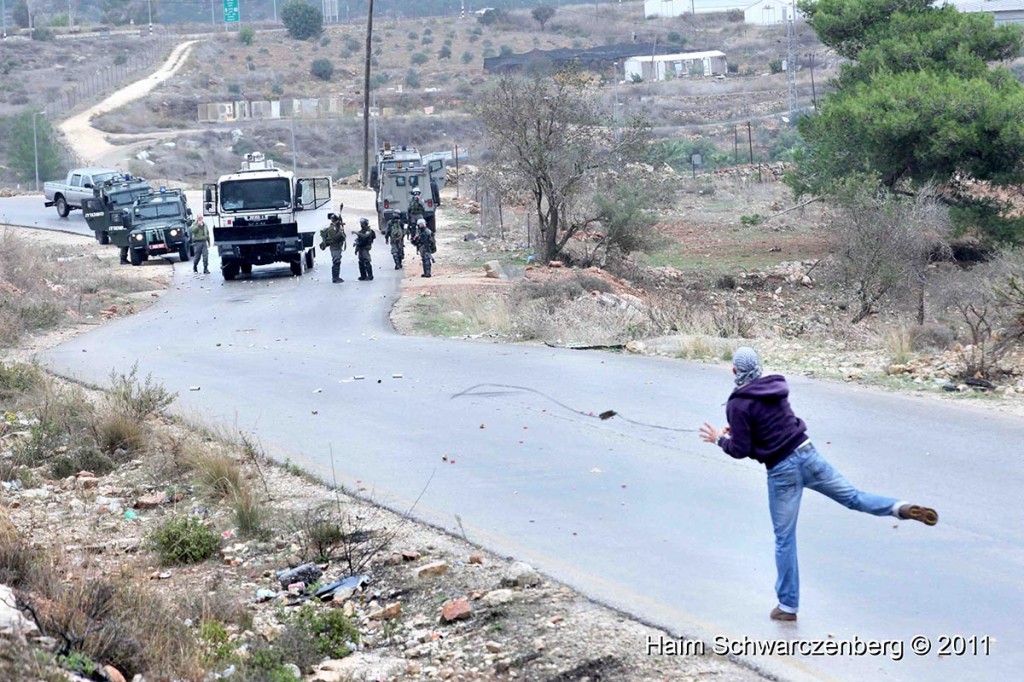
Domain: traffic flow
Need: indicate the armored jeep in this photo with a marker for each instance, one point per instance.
(159, 225)
(396, 173)
(105, 211)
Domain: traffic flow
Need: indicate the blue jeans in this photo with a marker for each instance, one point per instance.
(805, 468)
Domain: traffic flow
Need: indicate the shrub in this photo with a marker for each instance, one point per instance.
(246, 35)
(128, 397)
(467, 57)
(932, 337)
(218, 473)
(444, 53)
(775, 66)
(17, 379)
(234, 88)
(325, 41)
(42, 34)
(329, 628)
(419, 58)
(120, 59)
(83, 459)
(184, 540)
(322, 69)
(249, 512)
(412, 79)
(121, 432)
(505, 50)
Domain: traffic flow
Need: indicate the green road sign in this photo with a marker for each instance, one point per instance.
(230, 11)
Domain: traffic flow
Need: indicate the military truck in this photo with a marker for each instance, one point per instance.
(395, 173)
(262, 215)
(159, 225)
(105, 210)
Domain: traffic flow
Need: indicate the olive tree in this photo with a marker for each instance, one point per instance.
(551, 138)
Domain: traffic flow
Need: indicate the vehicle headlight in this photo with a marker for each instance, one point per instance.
(174, 233)
(139, 237)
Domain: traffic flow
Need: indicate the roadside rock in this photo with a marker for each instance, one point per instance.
(520, 574)
(360, 665)
(432, 569)
(493, 270)
(456, 609)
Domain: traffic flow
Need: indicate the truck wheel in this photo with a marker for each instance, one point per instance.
(230, 271)
(246, 268)
(135, 256)
(62, 206)
(310, 256)
(183, 252)
(432, 223)
(296, 266)
(103, 237)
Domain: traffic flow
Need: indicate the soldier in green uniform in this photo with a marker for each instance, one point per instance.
(425, 244)
(364, 242)
(396, 235)
(416, 209)
(333, 236)
(201, 240)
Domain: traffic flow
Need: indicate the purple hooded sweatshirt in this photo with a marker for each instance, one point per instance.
(762, 425)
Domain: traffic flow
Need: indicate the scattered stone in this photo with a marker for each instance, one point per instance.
(520, 574)
(306, 573)
(152, 500)
(498, 597)
(456, 609)
(476, 558)
(113, 674)
(389, 612)
(493, 270)
(492, 647)
(12, 621)
(432, 569)
(360, 665)
(410, 555)
(556, 264)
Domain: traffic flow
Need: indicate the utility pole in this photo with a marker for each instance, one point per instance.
(790, 59)
(150, 17)
(366, 95)
(35, 143)
(3, 16)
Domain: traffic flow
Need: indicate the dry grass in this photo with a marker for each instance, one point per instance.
(898, 341)
(217, 472)
(116, 431)
(43, 288)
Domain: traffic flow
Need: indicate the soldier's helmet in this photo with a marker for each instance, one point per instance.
(416, 191)
(331, 216)
(421, 223)
(363, 222)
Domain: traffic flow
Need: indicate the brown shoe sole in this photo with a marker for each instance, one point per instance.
(779, 614)
(925, 515)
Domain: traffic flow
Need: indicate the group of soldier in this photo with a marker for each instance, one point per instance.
(396, 233)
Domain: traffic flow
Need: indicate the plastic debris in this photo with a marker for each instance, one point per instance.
(354, 582)
(130, 515)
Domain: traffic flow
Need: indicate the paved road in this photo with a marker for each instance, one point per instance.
(644, 518)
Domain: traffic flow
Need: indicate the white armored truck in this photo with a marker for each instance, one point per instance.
(263, 214)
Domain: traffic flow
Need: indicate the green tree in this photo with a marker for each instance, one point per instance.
(492, 16)
(444, 53)
(19, 13)
(917, 103)
(419, 58)
(303, 20)
(552, 138)
(21, 151)
(246, 35)
(542, 15)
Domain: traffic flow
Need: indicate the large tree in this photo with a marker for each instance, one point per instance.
(23, 146)
(919, 102)
(302, 19)
(552, 137)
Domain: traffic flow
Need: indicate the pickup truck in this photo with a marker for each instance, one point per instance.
(68, 195)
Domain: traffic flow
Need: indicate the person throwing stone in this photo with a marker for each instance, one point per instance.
(763, 427)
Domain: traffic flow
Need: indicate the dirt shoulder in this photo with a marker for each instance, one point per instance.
(79, 510)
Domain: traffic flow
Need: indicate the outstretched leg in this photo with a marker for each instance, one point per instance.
(822, 477)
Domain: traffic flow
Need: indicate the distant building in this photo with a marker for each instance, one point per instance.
(601, 58)
(771, 12)
(1003, 11)
(662, 66)
(677, 8)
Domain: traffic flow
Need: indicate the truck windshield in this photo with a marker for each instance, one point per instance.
(171, 209)
(258, 194)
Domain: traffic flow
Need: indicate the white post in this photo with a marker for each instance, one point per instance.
(150, 17)
(275, 11)
(35, 147)
(294, 150)
(3, 15)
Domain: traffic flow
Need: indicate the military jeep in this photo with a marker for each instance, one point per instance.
(105, 210)
(159, 225)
